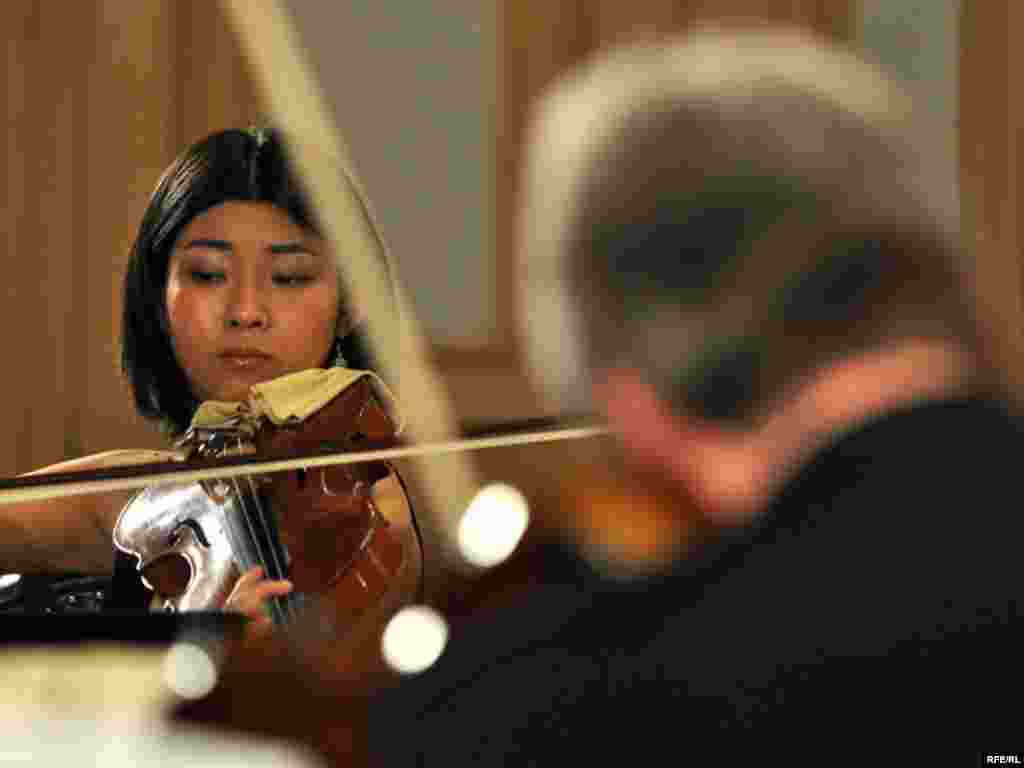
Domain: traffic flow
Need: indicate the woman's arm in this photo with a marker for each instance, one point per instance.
(69, 534)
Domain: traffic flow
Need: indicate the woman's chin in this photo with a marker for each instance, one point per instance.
(238, 389)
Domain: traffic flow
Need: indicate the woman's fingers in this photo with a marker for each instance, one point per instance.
(251, 592)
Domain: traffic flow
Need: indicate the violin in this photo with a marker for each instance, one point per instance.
(321, 528)
(324, 679)
(594, 498)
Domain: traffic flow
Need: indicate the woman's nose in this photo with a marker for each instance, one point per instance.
(247, 307)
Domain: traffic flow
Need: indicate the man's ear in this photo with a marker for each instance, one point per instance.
(719, 468)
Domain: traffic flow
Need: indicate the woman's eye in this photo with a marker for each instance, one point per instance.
(202, 276)
(292, 280)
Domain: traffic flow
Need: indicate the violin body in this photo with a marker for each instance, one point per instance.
(186, 541)
(339, 533)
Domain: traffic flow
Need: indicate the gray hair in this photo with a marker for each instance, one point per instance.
(815, 151)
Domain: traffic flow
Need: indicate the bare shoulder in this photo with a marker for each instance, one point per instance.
(116, 458)
(69, 533)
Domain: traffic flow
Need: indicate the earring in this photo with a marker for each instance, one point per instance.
(337, 358)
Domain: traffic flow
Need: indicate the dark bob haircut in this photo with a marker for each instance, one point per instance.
(231, 165)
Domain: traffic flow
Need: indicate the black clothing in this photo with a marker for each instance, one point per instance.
(76, 593)
(879, 595)
(45, 594)
(127, 592)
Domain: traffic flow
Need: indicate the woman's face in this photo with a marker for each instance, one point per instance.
(251, 295)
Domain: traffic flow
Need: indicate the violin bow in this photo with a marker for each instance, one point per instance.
(284, 74)
(136, 476)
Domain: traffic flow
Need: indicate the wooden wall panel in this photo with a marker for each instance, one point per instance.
(16, 20)
(130, 137)
(991, 164)
(99, 95)
(44, 106)
(214, 89)
(57, 173)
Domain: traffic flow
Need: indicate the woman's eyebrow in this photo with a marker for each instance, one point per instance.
(202, 242)
(291, 247)
(226, 246)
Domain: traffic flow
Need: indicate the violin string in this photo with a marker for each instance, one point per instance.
(254, 539)
(276, 555)
(257, 541)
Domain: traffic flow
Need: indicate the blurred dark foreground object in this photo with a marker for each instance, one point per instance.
(151, 630)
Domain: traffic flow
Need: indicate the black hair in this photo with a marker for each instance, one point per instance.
(231, 165)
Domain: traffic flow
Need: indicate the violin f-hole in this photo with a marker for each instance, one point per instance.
(194, 527)
(356, 489)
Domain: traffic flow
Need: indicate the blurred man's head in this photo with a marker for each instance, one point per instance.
(718, 222)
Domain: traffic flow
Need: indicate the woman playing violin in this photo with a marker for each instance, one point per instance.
(229, 284)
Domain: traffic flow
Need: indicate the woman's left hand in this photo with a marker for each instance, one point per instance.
(250, 595)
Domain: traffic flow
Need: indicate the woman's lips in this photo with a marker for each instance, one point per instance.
(245, 361)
